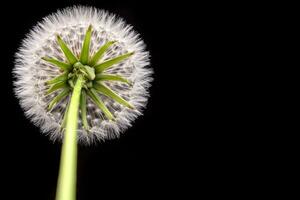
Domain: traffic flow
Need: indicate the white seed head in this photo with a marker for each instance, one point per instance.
(31, 72)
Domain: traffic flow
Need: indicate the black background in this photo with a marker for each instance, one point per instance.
(201, 132)
(196, 134)
(147, 159)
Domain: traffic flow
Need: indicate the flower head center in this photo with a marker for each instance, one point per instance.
(90, 71)
(87, 72)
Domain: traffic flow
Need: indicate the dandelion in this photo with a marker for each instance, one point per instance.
(49, 57)
(81, 76)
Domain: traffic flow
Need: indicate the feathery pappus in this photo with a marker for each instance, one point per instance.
(92, 43)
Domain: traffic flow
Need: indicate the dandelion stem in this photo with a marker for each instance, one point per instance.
(66, 187)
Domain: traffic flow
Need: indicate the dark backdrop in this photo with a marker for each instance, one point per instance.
(145, 160)
(202, 130)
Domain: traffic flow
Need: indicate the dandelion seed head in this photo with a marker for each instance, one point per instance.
(31, 72)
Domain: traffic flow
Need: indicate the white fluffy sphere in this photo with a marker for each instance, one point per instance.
(31, 72)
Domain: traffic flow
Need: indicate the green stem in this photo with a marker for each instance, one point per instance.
(66, 186)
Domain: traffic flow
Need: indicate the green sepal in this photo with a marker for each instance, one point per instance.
(86, 70)
(94, 96)
(90, 71)
(68, 53)
(109, 63)
(111, 77)
(58, 98)
(57, 63)
(109, 93)
(62, 77)
(84, 56)
(56, 86)
(83, 109)
(89, 84)
(71, 83)
(99, 54)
